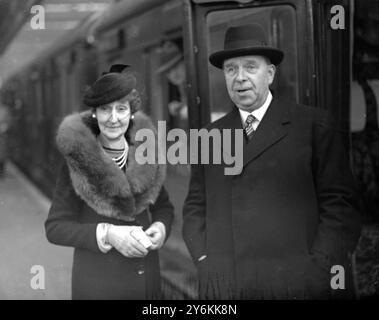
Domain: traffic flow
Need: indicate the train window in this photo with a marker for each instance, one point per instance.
(157, 88)
(39, 99)
(72, 83)
(173, 74)
(279, 22)
(71, 90)
(63, 91)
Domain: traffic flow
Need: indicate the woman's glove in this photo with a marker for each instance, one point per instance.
(119, 237)
(157, 235)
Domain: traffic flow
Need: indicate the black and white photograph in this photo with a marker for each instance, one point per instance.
(205, 152)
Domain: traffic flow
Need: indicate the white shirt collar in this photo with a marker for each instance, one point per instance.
(258, 113)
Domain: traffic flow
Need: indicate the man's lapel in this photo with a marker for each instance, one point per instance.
(231, 121)
(272, 128)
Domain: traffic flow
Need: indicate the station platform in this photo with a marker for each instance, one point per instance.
(24, 250)
(23, 247)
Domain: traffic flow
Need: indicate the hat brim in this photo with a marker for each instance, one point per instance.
(218, 58)
(108, 88)
(170, 64)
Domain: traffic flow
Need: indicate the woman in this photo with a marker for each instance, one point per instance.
(103, 195)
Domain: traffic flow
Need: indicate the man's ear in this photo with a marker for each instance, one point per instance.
(271, 73)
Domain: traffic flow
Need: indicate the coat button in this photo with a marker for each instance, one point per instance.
(141, 269)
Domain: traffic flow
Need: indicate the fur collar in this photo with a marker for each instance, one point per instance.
(97, 180)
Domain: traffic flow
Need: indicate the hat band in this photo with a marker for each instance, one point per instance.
(238, 44)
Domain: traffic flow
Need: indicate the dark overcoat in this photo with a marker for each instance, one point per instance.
(275, 230)
(91, 189)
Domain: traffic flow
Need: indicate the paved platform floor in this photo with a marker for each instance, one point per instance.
(23, 244)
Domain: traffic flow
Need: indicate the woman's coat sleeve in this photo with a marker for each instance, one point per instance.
(62, 226)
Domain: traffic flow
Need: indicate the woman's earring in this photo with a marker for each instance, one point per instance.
(94, 115)
(132, 117)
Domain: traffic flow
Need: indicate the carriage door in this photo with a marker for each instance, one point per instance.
(279, 19)
(167, 85)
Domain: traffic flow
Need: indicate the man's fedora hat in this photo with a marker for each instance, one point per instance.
(245, 40)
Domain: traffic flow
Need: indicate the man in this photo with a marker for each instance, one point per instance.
(275, 230)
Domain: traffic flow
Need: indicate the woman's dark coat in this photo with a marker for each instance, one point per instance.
(91, 189)
(275, 230)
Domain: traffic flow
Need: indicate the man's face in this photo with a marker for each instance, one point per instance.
(247, 80)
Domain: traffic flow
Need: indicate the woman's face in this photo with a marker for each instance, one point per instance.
(113, 119)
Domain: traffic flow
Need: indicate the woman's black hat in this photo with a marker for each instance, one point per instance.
(110, 86)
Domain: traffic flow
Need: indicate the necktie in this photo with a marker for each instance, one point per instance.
(249, 130)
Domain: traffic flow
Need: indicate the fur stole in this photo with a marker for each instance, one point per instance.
(96, 179)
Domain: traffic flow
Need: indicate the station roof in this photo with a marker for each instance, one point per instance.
(61, 17)
(13, 15)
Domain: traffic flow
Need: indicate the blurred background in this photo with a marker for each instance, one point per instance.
(20, 44)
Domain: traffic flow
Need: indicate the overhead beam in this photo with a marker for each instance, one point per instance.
(13, 15)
